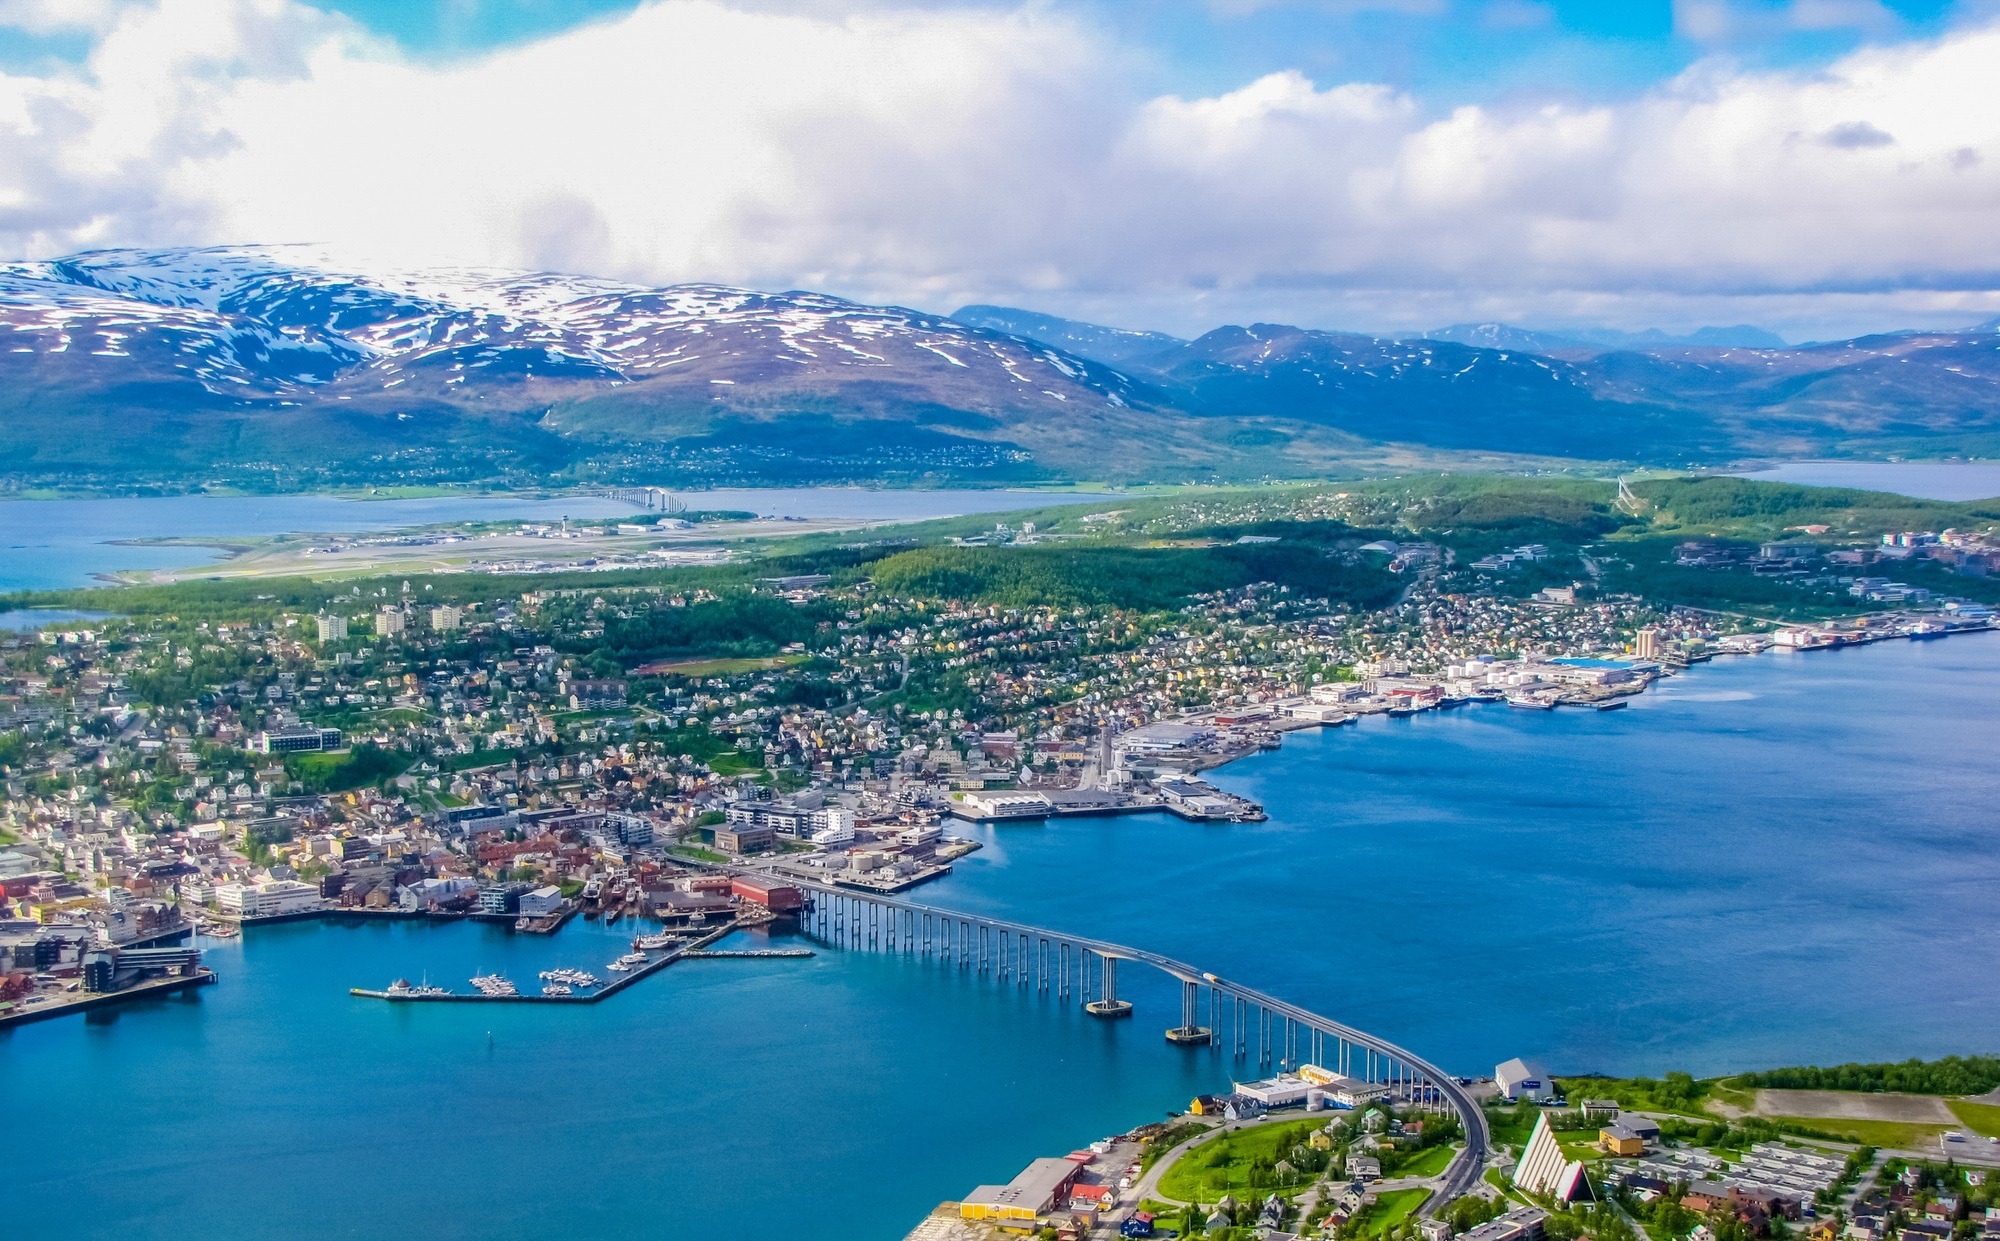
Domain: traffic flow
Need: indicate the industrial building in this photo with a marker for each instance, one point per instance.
(1517, 1079)
(1035, 1192)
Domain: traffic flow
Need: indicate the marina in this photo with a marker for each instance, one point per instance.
(571, 986)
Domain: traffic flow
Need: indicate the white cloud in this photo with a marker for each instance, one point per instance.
(1733, 21)
(930, 156)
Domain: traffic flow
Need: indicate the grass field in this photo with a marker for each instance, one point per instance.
(1390, 1210)
(1507, 1127)
(1222, 1165)
(715, 667)
(1428, 1162)
(1889, 1134)
(1982, 1118)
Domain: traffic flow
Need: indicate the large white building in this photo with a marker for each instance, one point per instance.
(332, 628)
(261, 900)
(1544, 1170)
(541, 902)
(1517, 1080)
(388, 623)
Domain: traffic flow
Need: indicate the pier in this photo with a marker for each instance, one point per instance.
(595, 995)
(88, 1001)
(748, 954)
(1257, 1026)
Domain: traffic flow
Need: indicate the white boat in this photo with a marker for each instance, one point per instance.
(404, 989)
(654, 942)
(556, 990)
(1527, 702)
(494, 985)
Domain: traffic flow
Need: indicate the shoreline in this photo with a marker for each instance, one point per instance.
(1283, 726)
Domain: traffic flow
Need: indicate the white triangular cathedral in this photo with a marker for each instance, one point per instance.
(1543, 1170)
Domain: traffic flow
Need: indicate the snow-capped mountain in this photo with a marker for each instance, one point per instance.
(285, 366)
(283, 322)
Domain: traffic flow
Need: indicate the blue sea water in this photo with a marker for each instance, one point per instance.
(53, 544)
(1774, 860)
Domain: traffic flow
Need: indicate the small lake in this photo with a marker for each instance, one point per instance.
(54, 544)
(1927, 480)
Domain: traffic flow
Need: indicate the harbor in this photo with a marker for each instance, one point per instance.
(649, 956)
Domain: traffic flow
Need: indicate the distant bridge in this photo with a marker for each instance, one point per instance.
(1072, 965)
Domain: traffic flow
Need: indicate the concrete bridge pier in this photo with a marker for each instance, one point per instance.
(1188, 1033)
(1109, 1005)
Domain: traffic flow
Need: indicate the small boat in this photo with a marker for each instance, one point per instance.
(654, 942)
(404, 989)
(557, 991)
(494, 986)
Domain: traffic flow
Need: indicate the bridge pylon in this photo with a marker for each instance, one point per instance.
(1188, 1033)
(1109, 1005)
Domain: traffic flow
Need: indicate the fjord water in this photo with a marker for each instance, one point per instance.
(1928, 480)
(1773, 860)
(52, 544)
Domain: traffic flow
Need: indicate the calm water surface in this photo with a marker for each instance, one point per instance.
(1772, 860)
(1929, 480)
(50, 544)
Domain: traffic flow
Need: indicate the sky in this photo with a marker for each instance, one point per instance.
(1819, 168)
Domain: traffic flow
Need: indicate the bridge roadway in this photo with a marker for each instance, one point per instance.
(1023, 954)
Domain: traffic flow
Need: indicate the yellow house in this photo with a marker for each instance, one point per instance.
(1205, 1105)
(1320, 1140)
(1618, 1140)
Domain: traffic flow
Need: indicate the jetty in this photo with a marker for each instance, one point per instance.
(660, 959)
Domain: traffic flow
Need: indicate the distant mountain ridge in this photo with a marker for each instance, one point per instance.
(280, 366)
(1658, 399)
(1582, 341)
